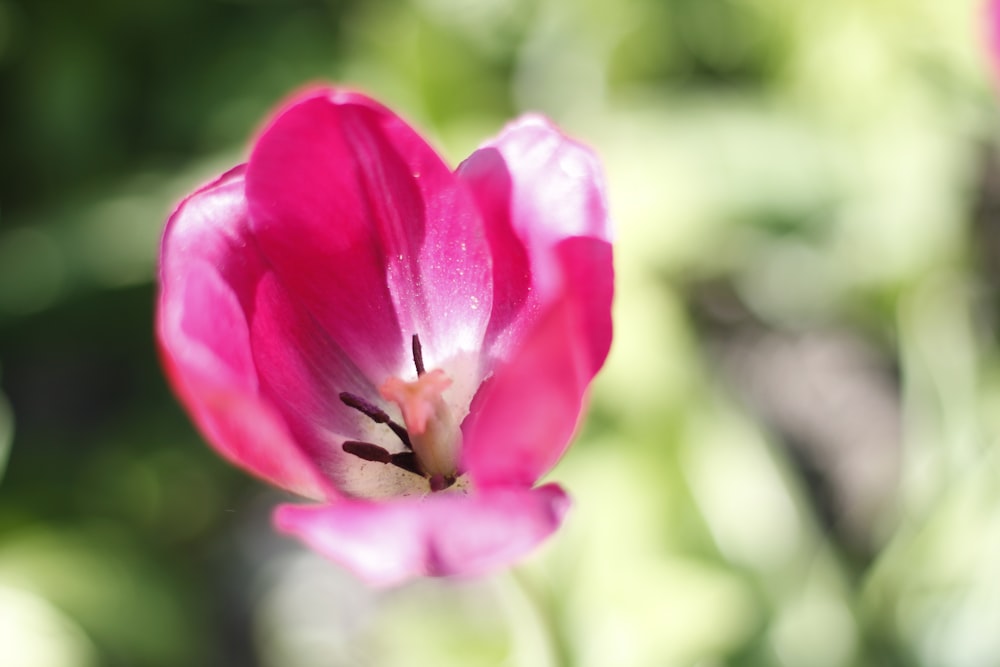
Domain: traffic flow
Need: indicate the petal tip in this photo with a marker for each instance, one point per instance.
(387, 543)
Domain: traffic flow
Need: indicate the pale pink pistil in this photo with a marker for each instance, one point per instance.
(433, 430)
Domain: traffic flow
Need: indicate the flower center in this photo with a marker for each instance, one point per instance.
(432, 435)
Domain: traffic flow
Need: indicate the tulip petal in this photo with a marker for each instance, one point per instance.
(303, 372)
(534, 188)
(441, 534)
(207, 268)
(524, 416)
(370, 231)
(543, 202)
(260, 376)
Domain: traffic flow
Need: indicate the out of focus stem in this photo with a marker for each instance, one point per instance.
(536, 623)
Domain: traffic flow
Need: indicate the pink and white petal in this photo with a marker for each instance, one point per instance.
(534, 188)
(302, 373)
(525, 415)
(370, 231)
(439, 535)
(204, 338)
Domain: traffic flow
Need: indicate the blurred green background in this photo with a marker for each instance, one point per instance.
(791, 457)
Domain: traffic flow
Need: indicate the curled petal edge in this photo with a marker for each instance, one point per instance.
(444, 534)
(535, 188)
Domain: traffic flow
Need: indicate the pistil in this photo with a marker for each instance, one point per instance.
(431, 434)
(433, 430)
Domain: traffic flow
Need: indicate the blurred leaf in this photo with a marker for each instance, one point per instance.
(34, 633)
(114, 592)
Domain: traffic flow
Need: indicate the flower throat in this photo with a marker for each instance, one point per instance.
(431, 435)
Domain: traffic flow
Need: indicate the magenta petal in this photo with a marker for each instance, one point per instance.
(441, 534)
(370, 230)
(208, 268)
(534, 188)
(542, 199)
(525, 415)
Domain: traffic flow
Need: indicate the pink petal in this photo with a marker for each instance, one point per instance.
(441, 534)
(231, 315)
(542, 198)
(370, 231)
(991, 33)
(302, 373)
(208, 269)
(525, 415)
(535, 187)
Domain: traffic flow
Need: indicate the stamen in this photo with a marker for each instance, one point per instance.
(418, 355)
(431, 434)
(376, 414)
(441, 482)
(361, 405)
(367, 451)
(407, 461)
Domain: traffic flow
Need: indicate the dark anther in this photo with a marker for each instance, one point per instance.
(418, 355)
(406, 461)
(367, 451)
(375, 414)
(441, 482)
(361, 405)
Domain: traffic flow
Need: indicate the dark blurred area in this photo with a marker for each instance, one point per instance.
(112, 509)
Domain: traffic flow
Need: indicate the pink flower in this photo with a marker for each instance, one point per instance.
(349, 319)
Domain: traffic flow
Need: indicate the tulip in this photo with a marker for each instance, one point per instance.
(406, 345)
